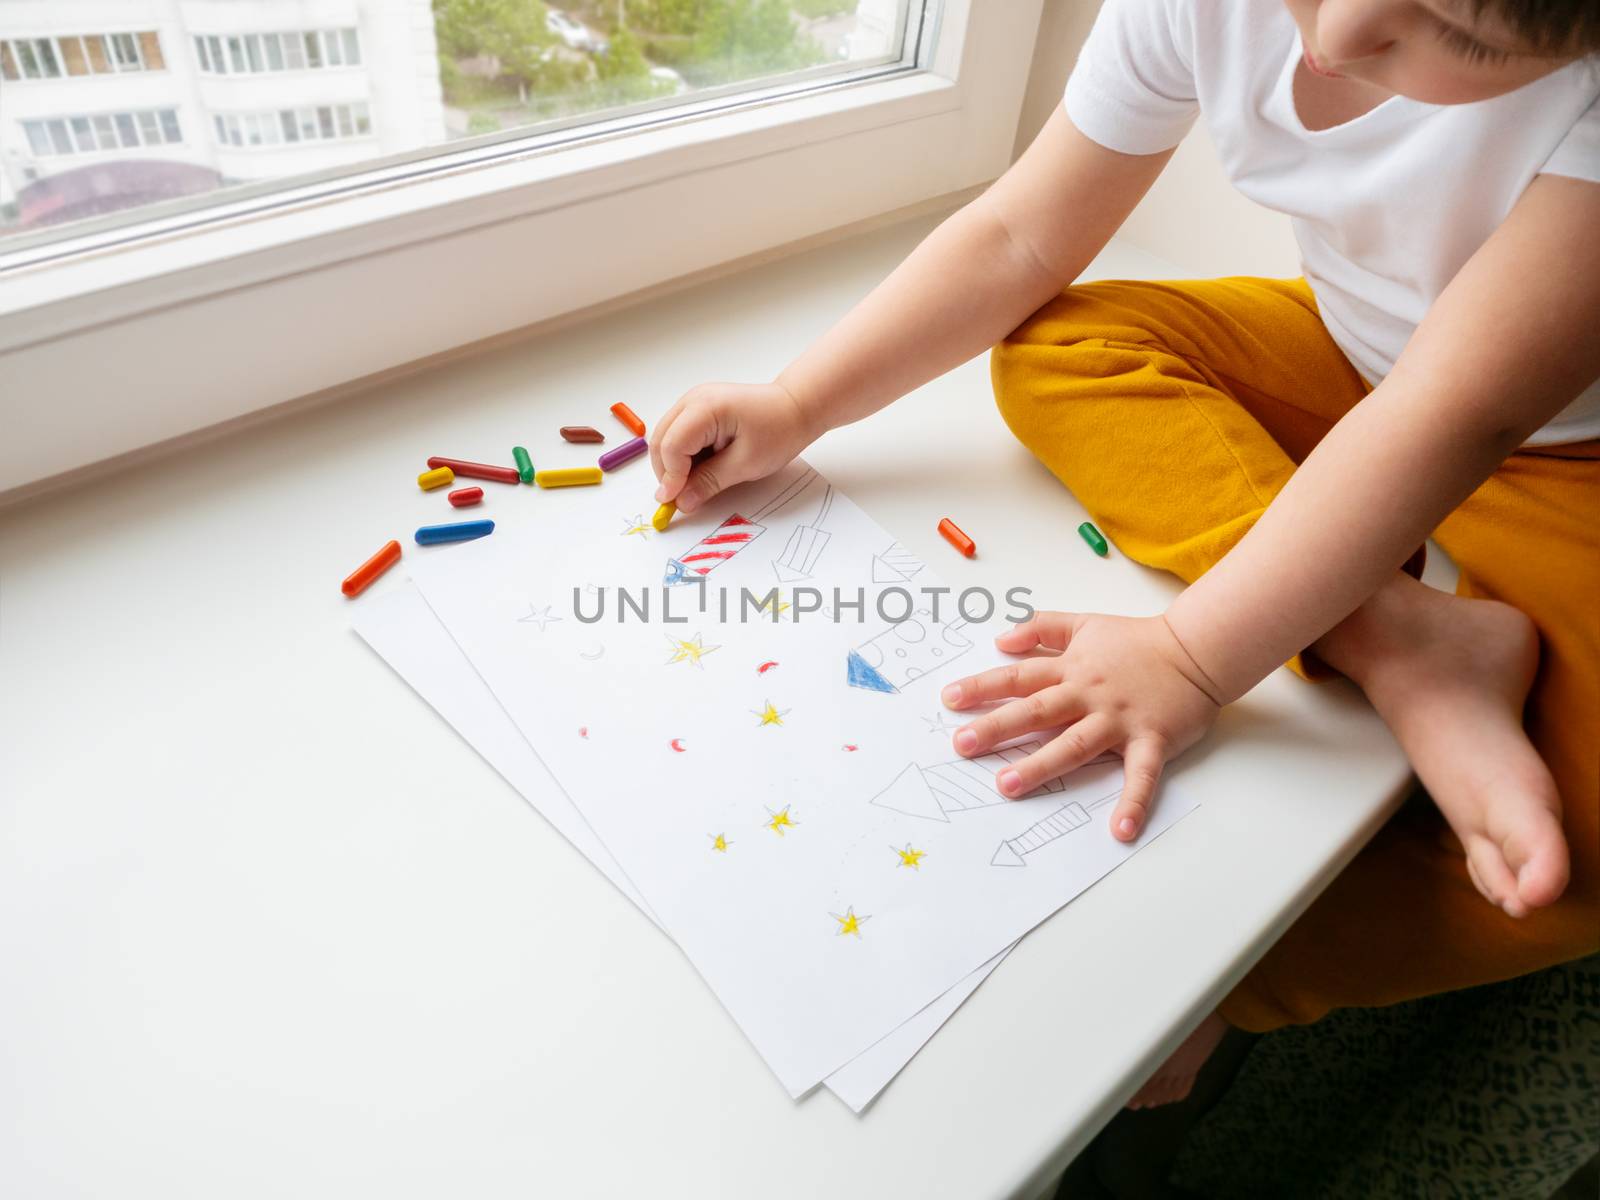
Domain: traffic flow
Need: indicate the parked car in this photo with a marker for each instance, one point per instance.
(574, 34)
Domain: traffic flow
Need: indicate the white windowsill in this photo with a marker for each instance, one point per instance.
(204, 756)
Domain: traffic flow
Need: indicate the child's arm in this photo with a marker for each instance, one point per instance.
(1511, 341)
(970, 282)
(1507, 345)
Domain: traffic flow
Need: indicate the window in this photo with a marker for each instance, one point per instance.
(256, 53)
(328, 122)
(73, 55)
(615, 197)
(102, 131)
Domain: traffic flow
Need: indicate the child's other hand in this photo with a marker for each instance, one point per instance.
(1123, 684)
(751, 429)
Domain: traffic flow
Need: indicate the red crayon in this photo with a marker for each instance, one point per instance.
(465, 497)
(956, 538)
(472, 470)
(371, 569)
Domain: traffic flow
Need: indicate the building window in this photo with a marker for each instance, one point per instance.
(80, 54)
(323, 123)
(255, 53)
(103, 131)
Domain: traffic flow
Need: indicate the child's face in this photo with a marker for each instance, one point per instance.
(1431, 50)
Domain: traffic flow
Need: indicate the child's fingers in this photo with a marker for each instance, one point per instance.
(1044, 709)
(690, 431)
(1066, 752)
(1142, 760)
(1014, 679)
(656, 434)
(1052, 630)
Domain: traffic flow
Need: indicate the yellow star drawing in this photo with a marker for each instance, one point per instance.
(770, 715)
(766, 606)
(909, 857)
(636, 524)
(849, 923)
(780, 820)
(720, 844)
(691, 651)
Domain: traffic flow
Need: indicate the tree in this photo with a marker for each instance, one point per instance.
(513, 32)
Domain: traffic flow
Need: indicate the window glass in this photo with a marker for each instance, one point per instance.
(457, 70)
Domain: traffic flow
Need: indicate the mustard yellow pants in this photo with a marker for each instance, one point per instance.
(1175, 411)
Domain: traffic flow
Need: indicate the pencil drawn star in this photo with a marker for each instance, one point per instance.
(539, 618)
(770, 715)
(938, 723)
(849, 923)
(720, 843)
(690, 651)
(773, 606)
(780, 820)
(910, 858)
(636, 524)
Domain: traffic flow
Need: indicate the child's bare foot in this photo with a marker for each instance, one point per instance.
(1175, 1077)
(1449, 676)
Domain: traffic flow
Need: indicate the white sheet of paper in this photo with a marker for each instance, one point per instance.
(402, 629)
(766, 784)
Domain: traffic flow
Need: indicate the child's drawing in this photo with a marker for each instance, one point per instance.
(942, 722)
(895, 565)
(636, 524)
(720, 842)
(849, 923)
(540, 617)
(765, 667)
(781, 820)
(1013, 852)
(805, 545)
(596, 651)
(773, 605)
(905, 651)
(770, 715)
(677, 745)
(959, 785)
(689, 650)
(730, 537)
(910, 857)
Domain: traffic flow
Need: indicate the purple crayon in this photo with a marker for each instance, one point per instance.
(612, 459)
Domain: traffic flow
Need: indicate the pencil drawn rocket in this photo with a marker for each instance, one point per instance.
(907, 650)
(960, 785)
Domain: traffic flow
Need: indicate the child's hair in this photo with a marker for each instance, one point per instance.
(1553, 26)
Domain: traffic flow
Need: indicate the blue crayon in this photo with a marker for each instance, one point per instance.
(461, 531)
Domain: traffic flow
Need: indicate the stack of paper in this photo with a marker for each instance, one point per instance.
(767, 773)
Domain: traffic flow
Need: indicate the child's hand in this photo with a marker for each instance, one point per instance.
(1123, 684)
(752, 429)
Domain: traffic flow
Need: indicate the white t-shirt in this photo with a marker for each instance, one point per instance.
(1386, 208)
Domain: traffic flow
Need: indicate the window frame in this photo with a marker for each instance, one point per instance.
(595, 213)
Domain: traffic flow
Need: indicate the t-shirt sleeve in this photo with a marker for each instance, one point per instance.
(1578, 154)
(1132, 88)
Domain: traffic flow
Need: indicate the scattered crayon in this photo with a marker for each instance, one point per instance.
(612, 459)
(581, 433)
(1090, 534)
(956, 538)
(463, 531)
(663, 517)
(524, 461)
(472, 470)
(628, 417)
(437, 478)
(569, 477)
(465, 497)
(357, 581)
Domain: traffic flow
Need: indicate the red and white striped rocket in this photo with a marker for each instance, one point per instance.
(716, 548)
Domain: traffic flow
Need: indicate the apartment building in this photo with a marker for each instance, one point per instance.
(106, 104)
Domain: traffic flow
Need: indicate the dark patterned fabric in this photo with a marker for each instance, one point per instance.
(1490, 1092)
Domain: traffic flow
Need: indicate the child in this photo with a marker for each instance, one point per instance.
(1286, 446)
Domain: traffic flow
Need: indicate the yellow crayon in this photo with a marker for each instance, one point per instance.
(568, 477)
(437, 478)
(663, 516)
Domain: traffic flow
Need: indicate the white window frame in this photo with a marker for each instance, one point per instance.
(421, 256)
